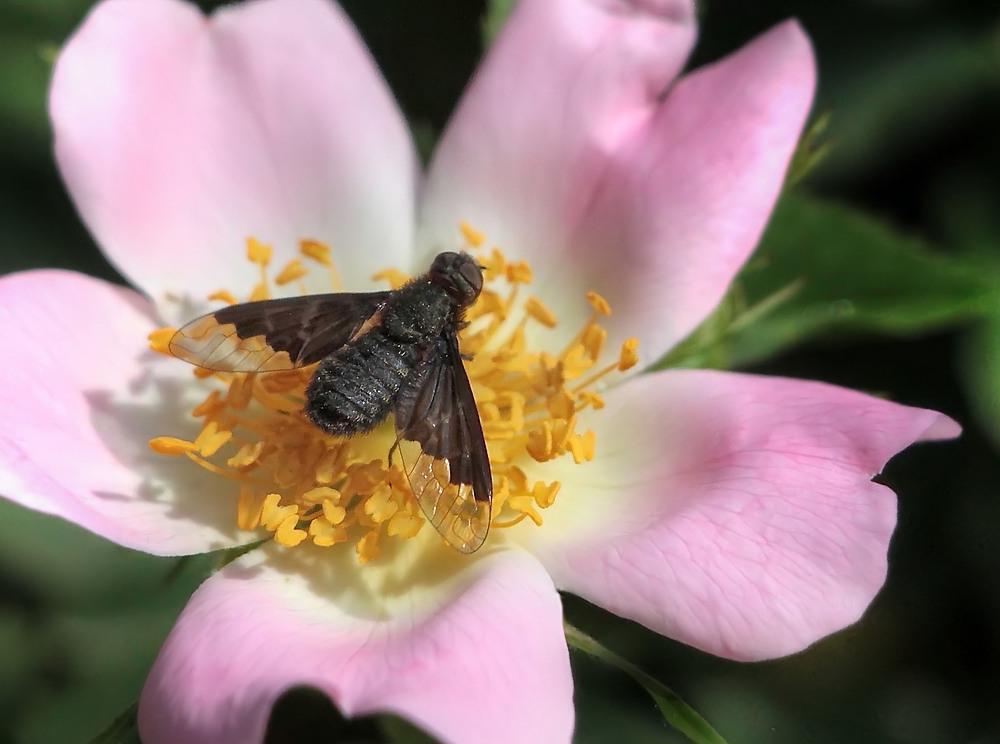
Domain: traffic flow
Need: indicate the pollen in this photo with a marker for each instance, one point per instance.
(303, 486)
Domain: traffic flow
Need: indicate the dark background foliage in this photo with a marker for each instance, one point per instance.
(914, 91)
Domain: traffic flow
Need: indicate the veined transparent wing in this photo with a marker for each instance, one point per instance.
(450, 475)
(273, 335)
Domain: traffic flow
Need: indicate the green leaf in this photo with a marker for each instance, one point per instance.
(810, 152)
(981, 372)
(123, 729)
(494, 18)
(896, 94)
(29, 35)
(856, 275)
(227, 555)
(675, 711)
(824, 269)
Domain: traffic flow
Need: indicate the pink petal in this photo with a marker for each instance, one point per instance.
(734, 513)
(78, 408)
(685, 200)
(565, 86)
(654, 199)
(479, 656)
(180, 136)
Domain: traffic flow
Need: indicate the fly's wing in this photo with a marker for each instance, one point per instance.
(273, 335)
(450, 476)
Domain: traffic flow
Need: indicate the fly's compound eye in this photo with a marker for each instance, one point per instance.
(472, 274)
(459, 275)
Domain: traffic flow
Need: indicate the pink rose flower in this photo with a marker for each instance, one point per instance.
(732, 512)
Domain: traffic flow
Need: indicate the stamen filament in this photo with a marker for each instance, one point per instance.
(579, 335)
(231, 475)
(510, 522)
(616, 367)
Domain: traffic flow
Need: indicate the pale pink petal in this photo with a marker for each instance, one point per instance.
(684, 201)
(180, 136)
(731, 512)
(471, 655)
(566, 85)
(78, 408)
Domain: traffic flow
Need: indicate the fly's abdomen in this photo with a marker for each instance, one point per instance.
(353, 390)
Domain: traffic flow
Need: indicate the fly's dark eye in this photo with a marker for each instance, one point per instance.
(459, 275)
(473, 276)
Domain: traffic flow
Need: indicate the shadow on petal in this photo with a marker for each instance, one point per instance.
(156, 402)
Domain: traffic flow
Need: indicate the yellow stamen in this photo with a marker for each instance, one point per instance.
(380, 505)
(473, 237)
(248, 509)
(334, 514)
(249, 454)
(320, 253)
(258, 252)
(211, 439)
(494, 264)
(539, 312)
(526, 505)
(272, 514)
(223, 295)
(367, 547)
(240, 391)
(301, 485)
(326, 534)
(587, 398)
(317, 251)
(598, 303)
(582, 447)
(405, 523)
(544, 494)
(287, 533)
(628, 357)
(626, 360)
(518, 273)
(593, 341)
(394, 277)
(171, 446)
(293, 270)
(210, 407)
(260, 292)
(159, 340)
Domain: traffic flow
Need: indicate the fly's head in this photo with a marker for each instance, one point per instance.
(459, 275)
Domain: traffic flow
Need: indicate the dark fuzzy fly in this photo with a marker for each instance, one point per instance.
(379, 353)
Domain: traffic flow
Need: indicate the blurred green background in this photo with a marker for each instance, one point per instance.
(887, 262)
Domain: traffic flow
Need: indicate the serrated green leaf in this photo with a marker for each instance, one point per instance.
(123, 730)
(857, 272)
(824, 269)
(675, 711)
(851, 274)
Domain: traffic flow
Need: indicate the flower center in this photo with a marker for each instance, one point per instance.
(299, 483)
